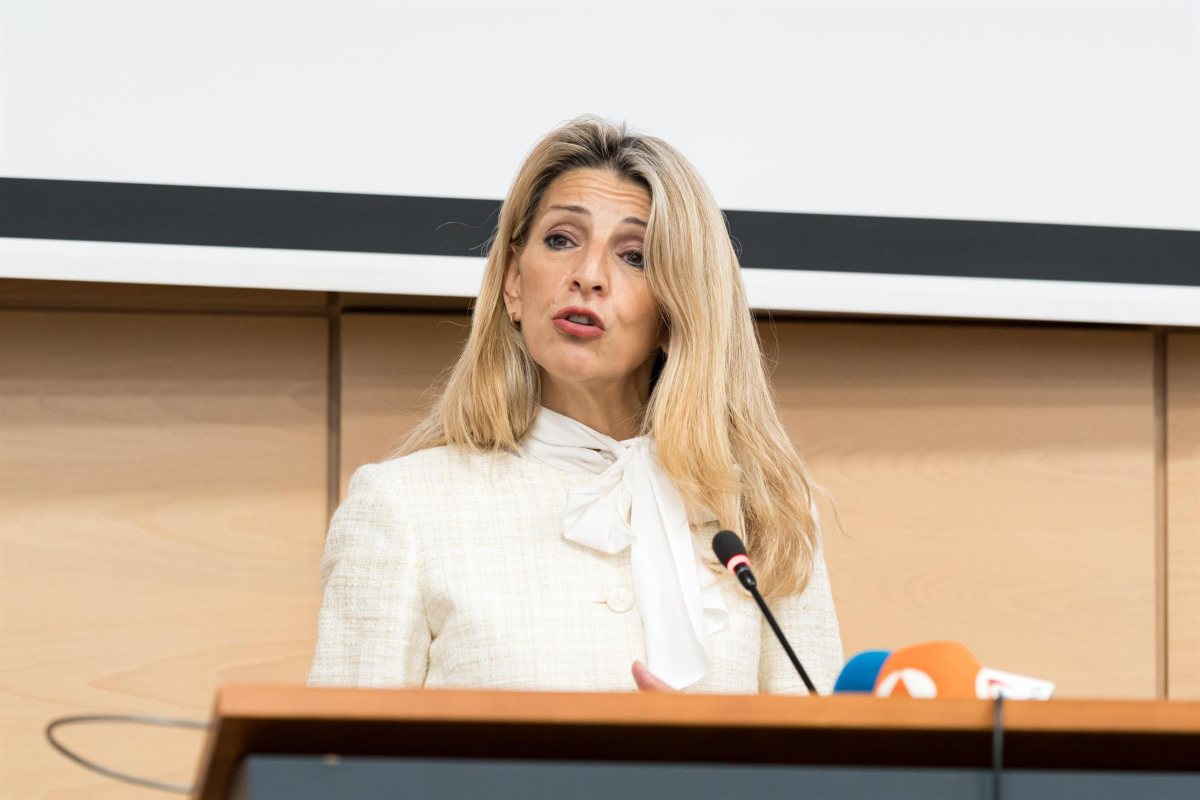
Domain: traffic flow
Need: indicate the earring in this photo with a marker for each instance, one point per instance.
(512, 317)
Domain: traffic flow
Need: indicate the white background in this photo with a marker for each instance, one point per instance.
(1074, 112)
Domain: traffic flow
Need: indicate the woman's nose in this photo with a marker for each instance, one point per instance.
(590, 273)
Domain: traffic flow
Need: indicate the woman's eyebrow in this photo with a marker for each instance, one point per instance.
(586, 213)
(574, 209)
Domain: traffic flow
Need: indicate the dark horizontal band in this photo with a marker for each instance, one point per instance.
(441, 226)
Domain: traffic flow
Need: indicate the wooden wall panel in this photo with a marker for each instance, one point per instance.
(390, 365)
(162, 514)
(17, 293)
(994, 486)
(1183, 515)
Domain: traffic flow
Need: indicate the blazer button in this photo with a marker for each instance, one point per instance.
(620, 600)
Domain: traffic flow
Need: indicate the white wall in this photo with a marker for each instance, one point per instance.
(1074, 112)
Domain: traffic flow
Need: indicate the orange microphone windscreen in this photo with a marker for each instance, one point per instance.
(933, 669)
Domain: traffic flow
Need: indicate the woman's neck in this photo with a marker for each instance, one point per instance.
(615, 413)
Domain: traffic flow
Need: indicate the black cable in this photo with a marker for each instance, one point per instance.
(997, 744)
(140, 719)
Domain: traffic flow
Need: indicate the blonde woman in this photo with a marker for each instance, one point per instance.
(548, 525)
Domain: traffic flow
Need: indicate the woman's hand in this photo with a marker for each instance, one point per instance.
(647, 681)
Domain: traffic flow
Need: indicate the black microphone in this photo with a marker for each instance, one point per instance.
(732, 554)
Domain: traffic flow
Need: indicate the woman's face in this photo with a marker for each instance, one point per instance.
(579, 290)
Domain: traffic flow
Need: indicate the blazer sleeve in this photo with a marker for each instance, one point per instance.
(372, 629)
(809, 621)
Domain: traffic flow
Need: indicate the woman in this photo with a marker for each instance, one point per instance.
(548, 525)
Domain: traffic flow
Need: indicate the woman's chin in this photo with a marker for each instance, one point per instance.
(577, 377)
(585, 373)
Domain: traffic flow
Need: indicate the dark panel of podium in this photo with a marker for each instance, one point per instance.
(273, 742)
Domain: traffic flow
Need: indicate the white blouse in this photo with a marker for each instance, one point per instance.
(449, 569)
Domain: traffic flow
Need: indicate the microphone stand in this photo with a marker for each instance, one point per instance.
(787, 648)
(730, 551)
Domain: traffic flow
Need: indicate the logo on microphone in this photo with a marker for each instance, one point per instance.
(991, 683)
(907, 682)
(933, 669)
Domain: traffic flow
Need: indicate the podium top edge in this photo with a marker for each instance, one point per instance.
(847, 711)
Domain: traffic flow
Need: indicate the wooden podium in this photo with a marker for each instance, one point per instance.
(298, 742)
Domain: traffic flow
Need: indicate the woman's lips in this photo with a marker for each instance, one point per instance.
(578, 330)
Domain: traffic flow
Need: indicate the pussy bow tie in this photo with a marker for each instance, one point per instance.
(633, 503)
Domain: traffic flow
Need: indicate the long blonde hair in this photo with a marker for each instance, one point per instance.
(714, 420)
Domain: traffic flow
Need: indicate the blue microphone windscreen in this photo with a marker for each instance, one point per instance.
(860, 672)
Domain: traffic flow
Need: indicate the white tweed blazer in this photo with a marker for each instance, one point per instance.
(449, 569)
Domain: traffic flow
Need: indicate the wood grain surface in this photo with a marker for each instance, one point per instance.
(163, 482)
(162, 514)
(679, 728)
(698, 710)
(1183, 515)
(392, 367)
(17, 293)
(993, 485)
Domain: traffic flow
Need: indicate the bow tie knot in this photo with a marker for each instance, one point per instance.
(633, 503)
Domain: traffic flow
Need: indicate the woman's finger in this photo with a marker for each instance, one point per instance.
(647, 681)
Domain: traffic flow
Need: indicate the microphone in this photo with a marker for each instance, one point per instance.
(732, 555)
(932, 669)
(861, 672)
(950, 670)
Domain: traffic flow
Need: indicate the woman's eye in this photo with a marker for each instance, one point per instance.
(634, 258)
(556, 241)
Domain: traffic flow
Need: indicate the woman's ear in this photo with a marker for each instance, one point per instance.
(512, 285)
